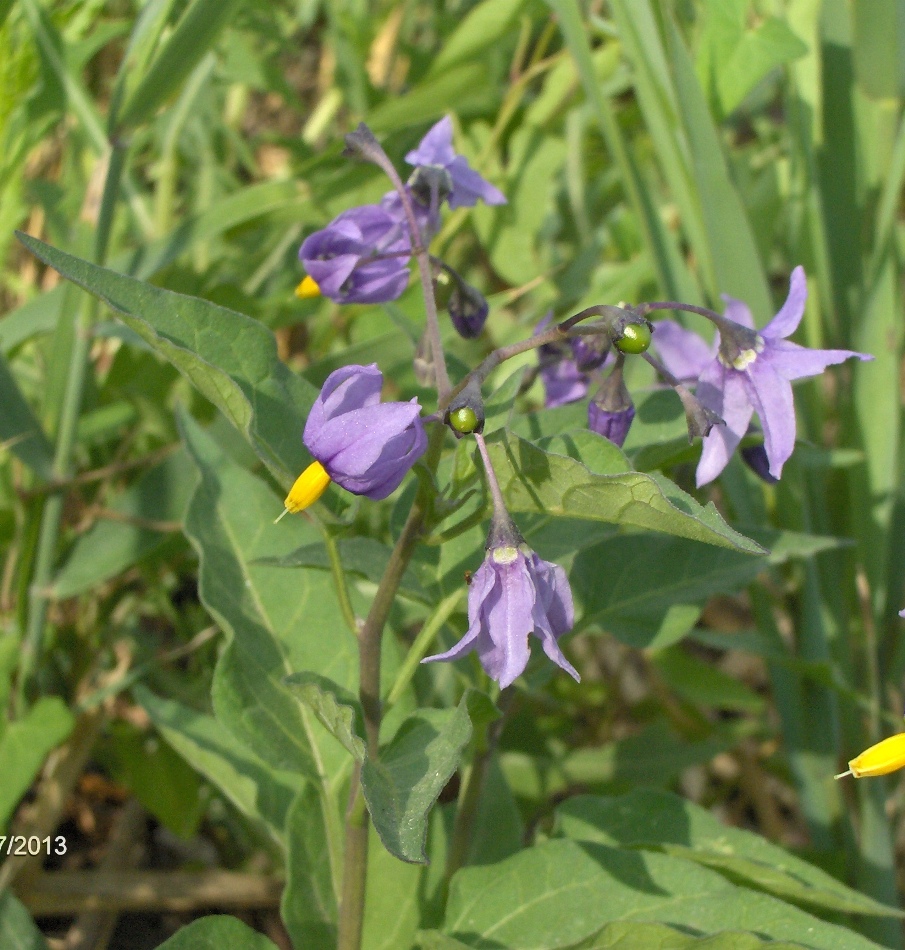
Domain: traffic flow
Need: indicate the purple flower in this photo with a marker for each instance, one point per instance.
(362, 256)
(514, 593)
(750, 372)
(466, 186)
(364, 445)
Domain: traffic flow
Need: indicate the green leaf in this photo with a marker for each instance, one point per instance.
(736, 261)
(337, 710)
(280, 622)
(734, 59)
(217, 933)
(628, 584)
(20, 431)
(536, 481)
(392, 900)
(483, 26)
(258, 791)
(25, 745)
(17, 929)
(879, 49)
(665, 259)
(561, 892)
(309, 904)
(654, 756)
(657, 819)
(699, 682)
(636, 936)
(364, 556)
(460, 89)
(111, 547)
(194, 35)
(165, 784)
(413, 769)
(230, 358)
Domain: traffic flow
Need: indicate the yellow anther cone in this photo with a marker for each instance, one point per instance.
(879, 759)
(307, 288)
(308, 487)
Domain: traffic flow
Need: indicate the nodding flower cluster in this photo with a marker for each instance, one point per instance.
(744, 371)
(367, 446)
(362, 255)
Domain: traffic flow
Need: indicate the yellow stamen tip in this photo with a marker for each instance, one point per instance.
(308, 487)
(879, 759)
(307, 288)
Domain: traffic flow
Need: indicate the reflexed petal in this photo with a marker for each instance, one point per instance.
(684, 353)
(436, 147)
(469, 186)
(481, 589)
(509, 624)
(554, 610)
(723, 391)
(738, 312)
(551, 648)
(792, 361)
(772, 398)
(791, 312)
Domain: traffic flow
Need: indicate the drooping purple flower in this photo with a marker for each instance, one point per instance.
(364, 445)
(513, 594)
(361, 256)
(466, 186)
(751, 372)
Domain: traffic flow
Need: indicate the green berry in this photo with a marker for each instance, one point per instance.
(635, 338)
(464, 420)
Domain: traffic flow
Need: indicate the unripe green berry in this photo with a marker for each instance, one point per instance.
(464, 420)
(635, 338)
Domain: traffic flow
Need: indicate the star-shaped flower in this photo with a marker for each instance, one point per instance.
(466, 186)
(748, 371)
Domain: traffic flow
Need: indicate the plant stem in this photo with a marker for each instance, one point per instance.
(363, 142)
(355, 864)
(499, 505)
(51, 517)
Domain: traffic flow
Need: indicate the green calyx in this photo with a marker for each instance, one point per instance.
(464, 420)
(635, 338)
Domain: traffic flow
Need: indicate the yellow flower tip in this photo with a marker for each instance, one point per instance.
(308, 487)
(307, 288)
(879, 759)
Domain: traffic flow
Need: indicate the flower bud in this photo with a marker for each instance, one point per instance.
(468, 309)
(611, 411)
